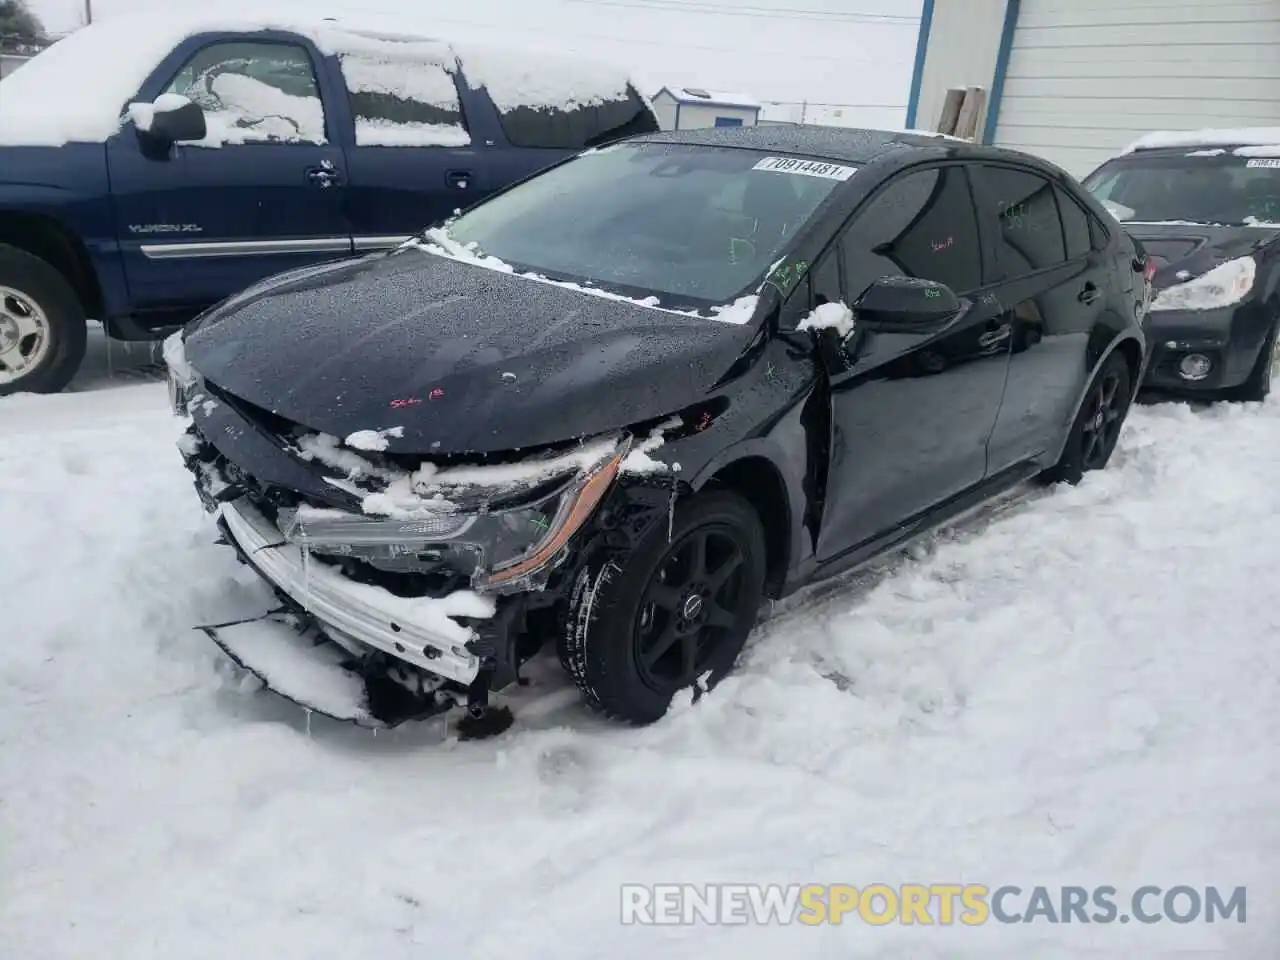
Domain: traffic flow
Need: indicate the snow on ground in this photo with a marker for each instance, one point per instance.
(1079, 689)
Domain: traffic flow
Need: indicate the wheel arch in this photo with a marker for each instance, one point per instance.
(756, 471)
(1133, 349)
(55, 243)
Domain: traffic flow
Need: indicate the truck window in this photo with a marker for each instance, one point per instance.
(576, 126)
(254, 92)
(403, 102)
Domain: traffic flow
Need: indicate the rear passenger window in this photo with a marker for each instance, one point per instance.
(1027, 213)
(403, 101)
(1075, 226)
(551, 103)
(922, 225)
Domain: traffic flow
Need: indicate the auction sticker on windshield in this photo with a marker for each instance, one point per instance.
(807, 168)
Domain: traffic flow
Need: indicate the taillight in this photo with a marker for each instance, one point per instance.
(1149, 270)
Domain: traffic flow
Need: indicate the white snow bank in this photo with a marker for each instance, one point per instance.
(837, 316)
(1077, 689)
(1265, 151)
(1207, 137)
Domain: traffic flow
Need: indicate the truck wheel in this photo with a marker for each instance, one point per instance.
(42, 325)
(676, 612)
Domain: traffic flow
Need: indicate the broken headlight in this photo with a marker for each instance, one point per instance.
(507, 549)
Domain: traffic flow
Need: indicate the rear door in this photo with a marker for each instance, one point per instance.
(261, 194)
(1055, 284)
(413, 160)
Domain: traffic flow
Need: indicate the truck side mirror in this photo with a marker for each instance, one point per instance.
(172, 118)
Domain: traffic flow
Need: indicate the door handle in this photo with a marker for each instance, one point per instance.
(993, 337)
(324, 176)
(458, 179)
(1089, 294)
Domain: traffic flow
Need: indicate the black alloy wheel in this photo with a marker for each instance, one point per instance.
(1105, 415)
(690, 607)
(1097, 426)
(674, 613)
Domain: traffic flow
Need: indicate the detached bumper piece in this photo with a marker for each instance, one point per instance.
(346, 650)
(298, 662)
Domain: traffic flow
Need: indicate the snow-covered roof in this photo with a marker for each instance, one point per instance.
(710, 98)
(1209, 137)
(76, 90)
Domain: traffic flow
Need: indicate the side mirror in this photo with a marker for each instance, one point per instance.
(170, 119)
(907, 305)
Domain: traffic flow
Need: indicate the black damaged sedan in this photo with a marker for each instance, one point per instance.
(1205, 207)
(615, 408)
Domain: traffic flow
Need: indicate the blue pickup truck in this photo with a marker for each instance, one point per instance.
(149, 170)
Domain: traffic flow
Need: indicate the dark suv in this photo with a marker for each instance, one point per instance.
(614, 408)
(1206, 208)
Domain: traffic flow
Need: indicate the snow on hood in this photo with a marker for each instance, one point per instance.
(78, 89)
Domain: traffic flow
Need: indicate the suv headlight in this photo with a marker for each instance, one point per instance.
(1222, 286)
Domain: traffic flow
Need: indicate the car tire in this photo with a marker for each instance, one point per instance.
(1097, 426)
(636, 635)
(1258, 387)
(42, 325)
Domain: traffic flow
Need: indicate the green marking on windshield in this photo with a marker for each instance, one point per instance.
(787, 275)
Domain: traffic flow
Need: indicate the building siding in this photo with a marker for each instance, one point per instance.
(964, 38)
(1087, 77)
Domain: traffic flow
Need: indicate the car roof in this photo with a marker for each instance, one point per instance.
(1210, 137)
(853, 145)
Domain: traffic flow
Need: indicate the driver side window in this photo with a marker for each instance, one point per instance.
(923, 225)
(254, 92)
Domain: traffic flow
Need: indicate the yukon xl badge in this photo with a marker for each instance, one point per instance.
(165, 228)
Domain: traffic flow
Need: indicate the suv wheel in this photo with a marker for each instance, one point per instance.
(42, 325)
(677, 614)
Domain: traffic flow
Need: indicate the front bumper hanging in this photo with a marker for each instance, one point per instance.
(346, 609)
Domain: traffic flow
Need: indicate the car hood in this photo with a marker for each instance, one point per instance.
(1186, 250)
(460, 358)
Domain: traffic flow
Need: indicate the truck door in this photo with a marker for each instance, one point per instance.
(413, 161)
(262, 193)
